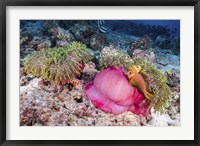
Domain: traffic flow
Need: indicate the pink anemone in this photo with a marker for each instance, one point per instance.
(111, 92)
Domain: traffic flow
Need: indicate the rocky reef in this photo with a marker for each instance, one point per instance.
(72, 74)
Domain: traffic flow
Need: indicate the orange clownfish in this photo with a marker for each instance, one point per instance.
(137, 80)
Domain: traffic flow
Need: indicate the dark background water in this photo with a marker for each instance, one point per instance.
(172, 25)
(146, 27)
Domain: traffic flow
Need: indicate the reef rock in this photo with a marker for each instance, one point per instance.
(82, 32)
(171, 43)
(98, 41)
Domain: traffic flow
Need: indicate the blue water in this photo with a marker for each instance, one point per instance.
(145, 27)
(173, 25)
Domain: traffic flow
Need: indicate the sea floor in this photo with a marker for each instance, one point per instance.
(44, 104)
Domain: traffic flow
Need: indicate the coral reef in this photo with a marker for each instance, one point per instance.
(72, 112)
(161, 41)
(58, 64)
(98, 41)
(42, 46)
(89, 69)
(157, 85)
(63, 37)
(24, 39)
(70, 23)
(82, 32)
(147, 54)
(57, 97)
(31, 27)
(163, 120)
(119, 41)
(112, 57)
(24, 80)
(59, 36)
(170, 43)
(39, 43)
(173, 79)
(166, 61)
(142, 44)
(40, 108)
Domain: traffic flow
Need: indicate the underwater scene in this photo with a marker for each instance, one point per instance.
(99, 73)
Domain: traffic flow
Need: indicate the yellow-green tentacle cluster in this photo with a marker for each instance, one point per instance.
(58, 64)
(112, 57)
(157, 84)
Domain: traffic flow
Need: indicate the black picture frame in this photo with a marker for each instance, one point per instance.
(5, 3)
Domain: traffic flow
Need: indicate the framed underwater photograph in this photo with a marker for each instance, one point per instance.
(103, 72)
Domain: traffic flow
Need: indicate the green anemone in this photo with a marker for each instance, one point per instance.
(58, 64)
(157, 84)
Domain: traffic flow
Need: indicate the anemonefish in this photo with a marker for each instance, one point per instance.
(137, 80)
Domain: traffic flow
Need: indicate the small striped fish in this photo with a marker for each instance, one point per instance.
(101, 27)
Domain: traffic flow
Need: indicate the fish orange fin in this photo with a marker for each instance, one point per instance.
(132, 82)
(148, 95)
